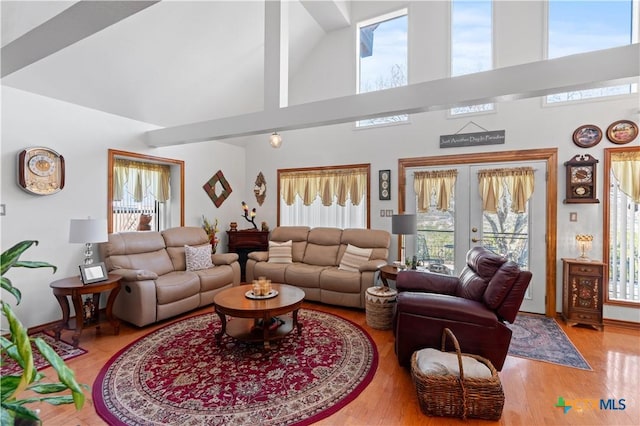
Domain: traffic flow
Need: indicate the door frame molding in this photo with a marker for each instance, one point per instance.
(550, 155)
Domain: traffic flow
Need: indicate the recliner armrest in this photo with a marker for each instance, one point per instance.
(224, 258)
(372, 265)
(135, 274)
(445, 307)
(259, 256)
(426, 282)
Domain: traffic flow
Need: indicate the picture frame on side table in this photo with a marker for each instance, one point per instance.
(93, 273)
(622, 131)
(384, 184)
(587, 136)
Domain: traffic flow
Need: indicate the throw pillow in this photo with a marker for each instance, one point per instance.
(353, 258)
(280, 252)
(198, 258)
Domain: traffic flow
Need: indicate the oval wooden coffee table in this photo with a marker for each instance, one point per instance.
(252, 318)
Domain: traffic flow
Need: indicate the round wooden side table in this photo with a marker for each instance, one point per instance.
(74, 288)
(388, 272)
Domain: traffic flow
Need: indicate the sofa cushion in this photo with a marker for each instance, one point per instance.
(303, 275)
(176, 286)
(501, 284)
(484, 262)
(334, 279)
(198, 258)
(155, 261)
(280, 252)
(297, 234)
(322, 247)
(354, 257)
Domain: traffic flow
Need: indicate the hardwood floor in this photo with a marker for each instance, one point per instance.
(531, 388)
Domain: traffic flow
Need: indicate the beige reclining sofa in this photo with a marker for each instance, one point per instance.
(317, 263)
(156, 284)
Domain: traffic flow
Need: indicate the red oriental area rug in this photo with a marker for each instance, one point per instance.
(65, 350)
(178, 375)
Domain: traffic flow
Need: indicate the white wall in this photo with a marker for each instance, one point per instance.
(83, 137)
(329, 71)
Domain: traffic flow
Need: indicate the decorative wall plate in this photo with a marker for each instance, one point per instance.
(217, 182)
(622, 131)
(587, 136)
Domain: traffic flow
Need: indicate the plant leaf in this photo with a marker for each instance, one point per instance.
(46, 388)
(34, 264)
(6, 284)
(8, 385)
(23, 345)
(20, 411)
(65, 374)
(10, 257)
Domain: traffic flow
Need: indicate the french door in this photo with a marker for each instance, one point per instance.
(444, 238)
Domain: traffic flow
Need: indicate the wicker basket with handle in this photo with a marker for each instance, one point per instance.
(458, 396)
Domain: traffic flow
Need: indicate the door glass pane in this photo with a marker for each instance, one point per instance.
(435, 238)
(506, 232)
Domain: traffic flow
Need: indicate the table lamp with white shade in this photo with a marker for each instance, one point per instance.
(88, 231)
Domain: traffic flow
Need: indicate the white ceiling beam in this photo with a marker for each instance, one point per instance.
(535, 79)
(75, 23)
(330, 14)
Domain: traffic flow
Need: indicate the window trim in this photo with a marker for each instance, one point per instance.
(321, 168)
(113, 154)
(606, 228)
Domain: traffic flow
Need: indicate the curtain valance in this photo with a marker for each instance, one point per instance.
(519, 182)
(140, 178)
(626, 169)
(439, 183)
(338, 184)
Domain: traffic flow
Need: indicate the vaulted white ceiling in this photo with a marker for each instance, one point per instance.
(174, 62)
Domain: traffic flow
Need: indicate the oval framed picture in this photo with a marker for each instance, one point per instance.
(622, 131)
(587, 136)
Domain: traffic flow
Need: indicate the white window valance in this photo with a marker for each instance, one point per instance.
(626, 169)
(519, 182)
(438, 183)
(141, 179)
(339, 185)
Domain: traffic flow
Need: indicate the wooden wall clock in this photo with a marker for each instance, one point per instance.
(581, 179)
(40, 171)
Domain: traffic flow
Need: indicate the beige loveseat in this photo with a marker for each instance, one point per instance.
(156, 284)
(316, 264)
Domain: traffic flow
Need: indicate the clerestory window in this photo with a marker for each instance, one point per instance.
(585, 26)
(471, 44)
(382, 59)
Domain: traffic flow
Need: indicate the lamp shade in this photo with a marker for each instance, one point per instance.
(403, 224)
(275, 140)
(88, 231)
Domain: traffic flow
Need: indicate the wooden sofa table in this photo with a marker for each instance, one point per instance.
(248, 313)
(74, 288)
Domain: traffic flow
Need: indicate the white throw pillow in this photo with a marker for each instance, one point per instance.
(198, 258)
(354, 257)
(280, 252)
(434, 362)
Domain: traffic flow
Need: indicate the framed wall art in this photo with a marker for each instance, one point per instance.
(587, 136)
(384, 184)
(622, 131)
(217, 183)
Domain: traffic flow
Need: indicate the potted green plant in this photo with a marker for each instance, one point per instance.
(18, 347)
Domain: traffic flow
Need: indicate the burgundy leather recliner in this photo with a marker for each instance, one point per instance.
(475, 306)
